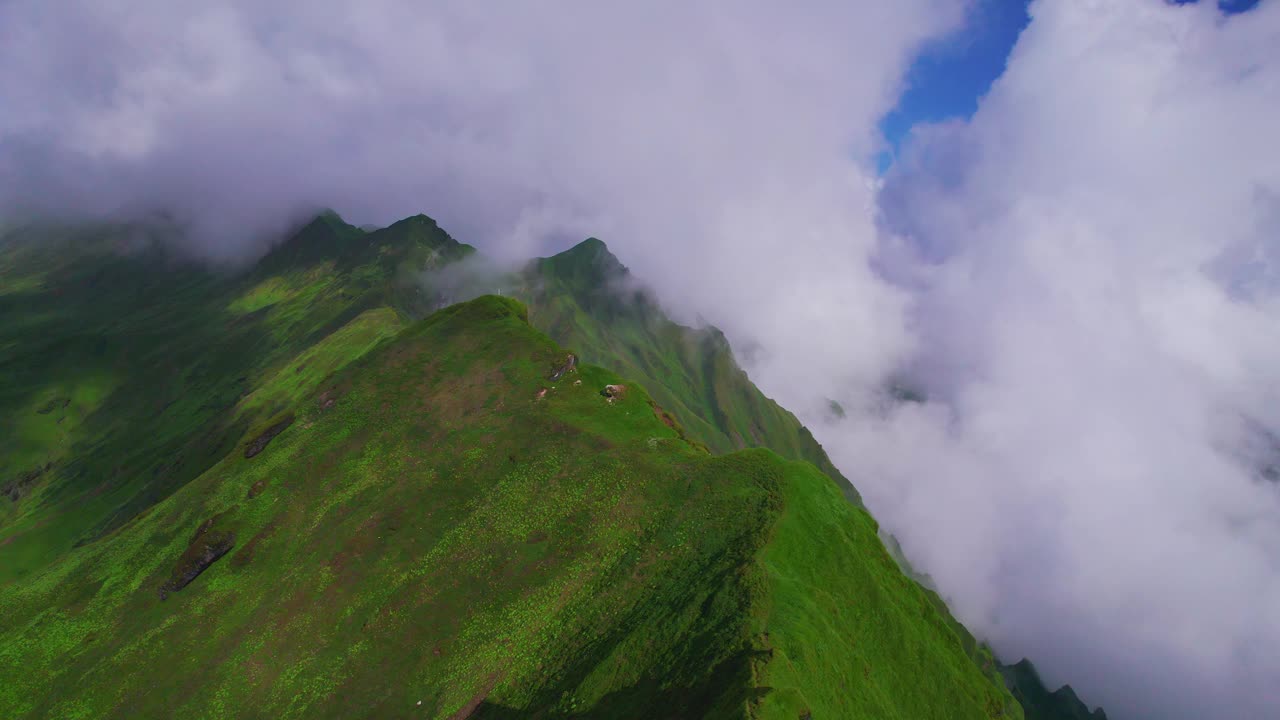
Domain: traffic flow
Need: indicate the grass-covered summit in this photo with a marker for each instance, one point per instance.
(294, 491)
(587, 299)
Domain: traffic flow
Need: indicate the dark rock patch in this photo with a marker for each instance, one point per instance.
(259, 443)
(17, 487)
(207, 546)
(569, 364)
(55, 404)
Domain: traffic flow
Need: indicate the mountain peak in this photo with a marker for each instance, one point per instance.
(416, 220)
(420, 228)
(587, 264)
(593, 244)
(594, 248)
(329, 214)
(324, 223)
(418, 240)
(325, 236)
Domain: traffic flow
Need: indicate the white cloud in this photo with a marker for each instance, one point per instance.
(1094, 288)
(716, 146)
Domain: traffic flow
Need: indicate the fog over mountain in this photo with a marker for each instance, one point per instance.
(1083, 279)
(1094, 267)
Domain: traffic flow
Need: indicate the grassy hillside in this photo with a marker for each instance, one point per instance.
(425, 532)
(207, 478)
(125, 372)
(586, 299)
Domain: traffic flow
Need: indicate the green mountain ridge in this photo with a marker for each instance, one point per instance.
(585, 298)
(297, 491)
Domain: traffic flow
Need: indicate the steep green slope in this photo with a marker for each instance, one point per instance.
(125, 371)
(427, 533)
(586, 299)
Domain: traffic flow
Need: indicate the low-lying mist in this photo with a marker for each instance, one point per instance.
(1081, 280)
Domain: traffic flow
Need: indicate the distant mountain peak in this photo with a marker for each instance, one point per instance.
(325, 236)
(590, 263)
(592, 247)
(419, 241)
(1039, 703)
(325, 221)
(415, 220)
(593, 244)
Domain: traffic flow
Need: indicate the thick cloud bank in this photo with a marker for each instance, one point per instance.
(709, 142)
(1095, 267)
(1083, 278)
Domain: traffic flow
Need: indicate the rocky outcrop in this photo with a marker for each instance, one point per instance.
(569, 364)
(259, 443)
(17, 487)
(207, 546)
(54, 404)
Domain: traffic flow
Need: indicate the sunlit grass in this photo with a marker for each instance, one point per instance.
(440, 533)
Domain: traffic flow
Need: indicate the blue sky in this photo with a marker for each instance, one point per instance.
(1230, 6)
(949, 78)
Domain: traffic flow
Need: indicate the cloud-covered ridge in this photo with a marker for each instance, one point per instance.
(1082, 277)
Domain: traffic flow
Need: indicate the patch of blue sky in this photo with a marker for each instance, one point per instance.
(950, 77)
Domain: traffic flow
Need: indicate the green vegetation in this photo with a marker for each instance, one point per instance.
(292, 492)
(844, 612)
(166, 363)
(586, 299)
(430, 529)
(141, 361)
(305, 372)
